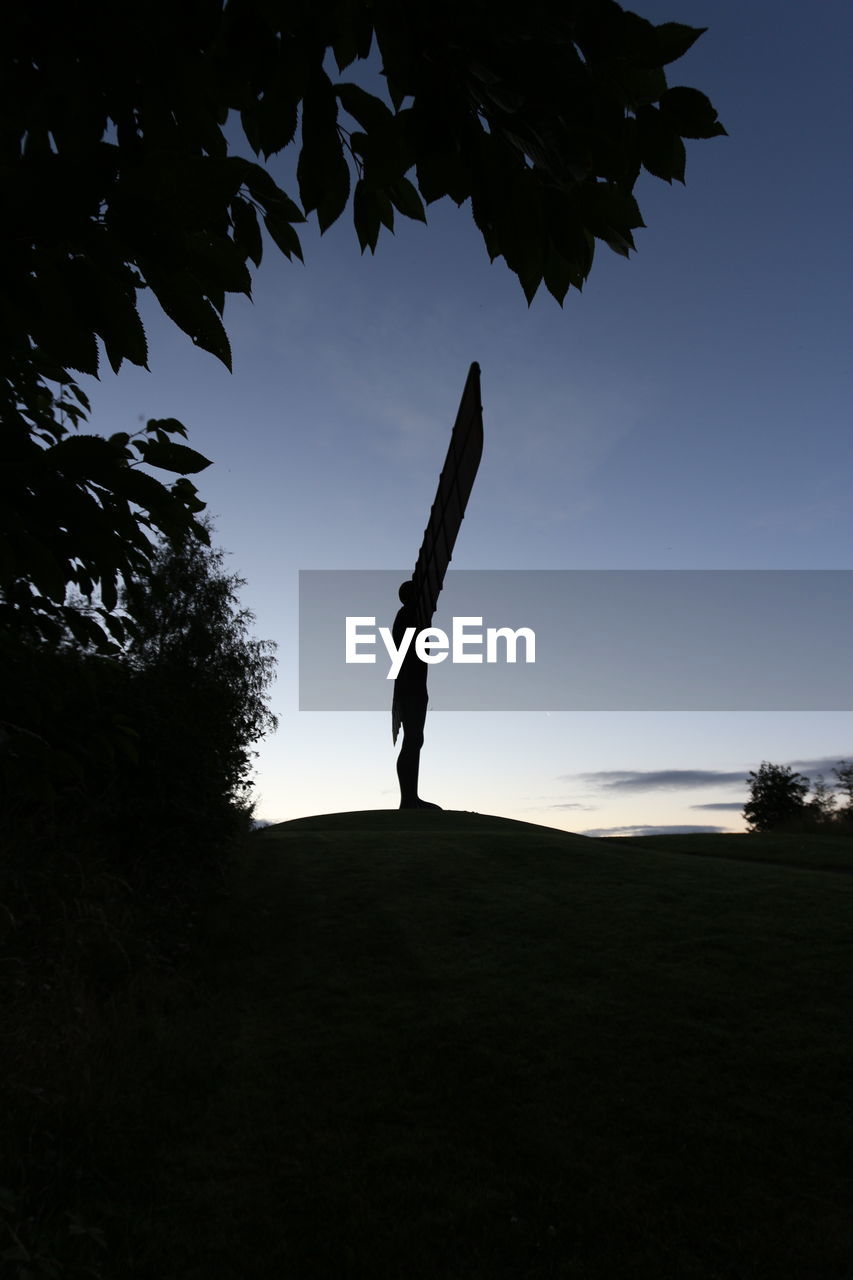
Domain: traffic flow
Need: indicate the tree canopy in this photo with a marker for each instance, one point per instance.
(777, 797)
(118, 177)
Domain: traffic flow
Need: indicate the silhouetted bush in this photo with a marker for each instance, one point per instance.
(199, 682)
(148, 750)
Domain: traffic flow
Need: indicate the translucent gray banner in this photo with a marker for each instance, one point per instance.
(605, 640)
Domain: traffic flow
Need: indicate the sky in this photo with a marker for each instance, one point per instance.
(690, 409)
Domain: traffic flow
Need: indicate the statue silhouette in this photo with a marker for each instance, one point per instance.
(420, 594)
(410, 703)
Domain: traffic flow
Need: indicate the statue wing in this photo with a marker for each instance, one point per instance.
(454, 489)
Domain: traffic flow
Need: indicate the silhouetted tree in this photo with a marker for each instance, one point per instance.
(200, 683)
(844, 773)
(119, 176)
(149, 747)
(776, 798)
(821, 804)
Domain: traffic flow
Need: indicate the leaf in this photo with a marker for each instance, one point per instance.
(568, 236)
(530, 282)
(407, 200)
(173, 457)
(109, 595)
(690, 113)
(216, 298)
(250, 119)
(79, 395)
(520, 216)
(354, 35)
(386, 210)
(366, 216)
(344, 50)
(187, 494)
(397, 41)
(143, 490)
(268, 194)
(481, 213)
(284, 236)
(642, 84)
(370, 112)
(335, 198)
(610, 213)
(322, 171)
(85, 630)
(558, 276)
(443, 173)
(68, 342)
(217, 264)
(247, 233)
(661, 149)
(270, 125)
(386, 152)
(184, 302)
(111, 302)
(673, 39)
(170, 425)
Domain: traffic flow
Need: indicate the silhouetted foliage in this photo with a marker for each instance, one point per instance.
(147, 748)
(776, 798)
(844, 773)
(76, 513)
(820, 808)
(118, 177)
(200, 681)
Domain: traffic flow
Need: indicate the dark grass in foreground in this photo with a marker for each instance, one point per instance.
(443, 1045)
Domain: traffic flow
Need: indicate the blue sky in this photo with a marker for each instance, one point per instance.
(689, 410)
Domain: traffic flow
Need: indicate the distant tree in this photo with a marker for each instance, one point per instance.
(844, 773)
(117, 178)
(821, 805)
(776, 798)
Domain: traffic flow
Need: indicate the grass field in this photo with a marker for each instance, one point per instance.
(446, 1045)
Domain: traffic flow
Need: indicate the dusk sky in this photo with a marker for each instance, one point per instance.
(689, 410)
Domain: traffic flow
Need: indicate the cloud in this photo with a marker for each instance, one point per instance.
(658, 780)
(824, 765)
(655, 831)
(589, 808)
(725, 804)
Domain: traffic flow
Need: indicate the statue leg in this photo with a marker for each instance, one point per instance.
(408, 766)
(409, 759)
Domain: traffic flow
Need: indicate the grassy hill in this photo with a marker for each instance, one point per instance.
(452, 1046)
